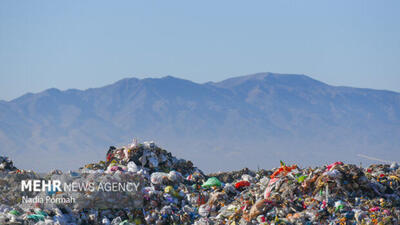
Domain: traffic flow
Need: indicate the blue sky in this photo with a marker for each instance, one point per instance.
(82, 44)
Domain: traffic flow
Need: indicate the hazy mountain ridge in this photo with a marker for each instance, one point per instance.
(241, 121)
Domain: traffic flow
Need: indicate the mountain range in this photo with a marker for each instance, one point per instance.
(248, 121)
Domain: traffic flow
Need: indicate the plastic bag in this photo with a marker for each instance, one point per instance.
(212, 182)
(158, 177)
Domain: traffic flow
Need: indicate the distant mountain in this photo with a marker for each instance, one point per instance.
(249, 121)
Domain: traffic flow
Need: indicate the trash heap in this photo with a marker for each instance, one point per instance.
(10, 186)
(146, 158)
(173, 191)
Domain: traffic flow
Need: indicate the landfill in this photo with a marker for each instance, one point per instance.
(174, 191)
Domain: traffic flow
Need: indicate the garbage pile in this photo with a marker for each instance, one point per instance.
(142, 157)
(173, 191)
(10, 186)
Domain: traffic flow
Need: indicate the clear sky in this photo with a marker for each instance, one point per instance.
(82, 44)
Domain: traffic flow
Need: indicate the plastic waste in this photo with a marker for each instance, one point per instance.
(329, 167)
(212, 182)
(158, 177)
(283, 170)
(242, 184)
(172, 193)
(132, 167)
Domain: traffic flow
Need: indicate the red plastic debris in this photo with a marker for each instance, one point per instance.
(329, 167)
(242, 184)
(283, 169)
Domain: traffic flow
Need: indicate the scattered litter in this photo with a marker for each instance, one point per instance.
(173, 191)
